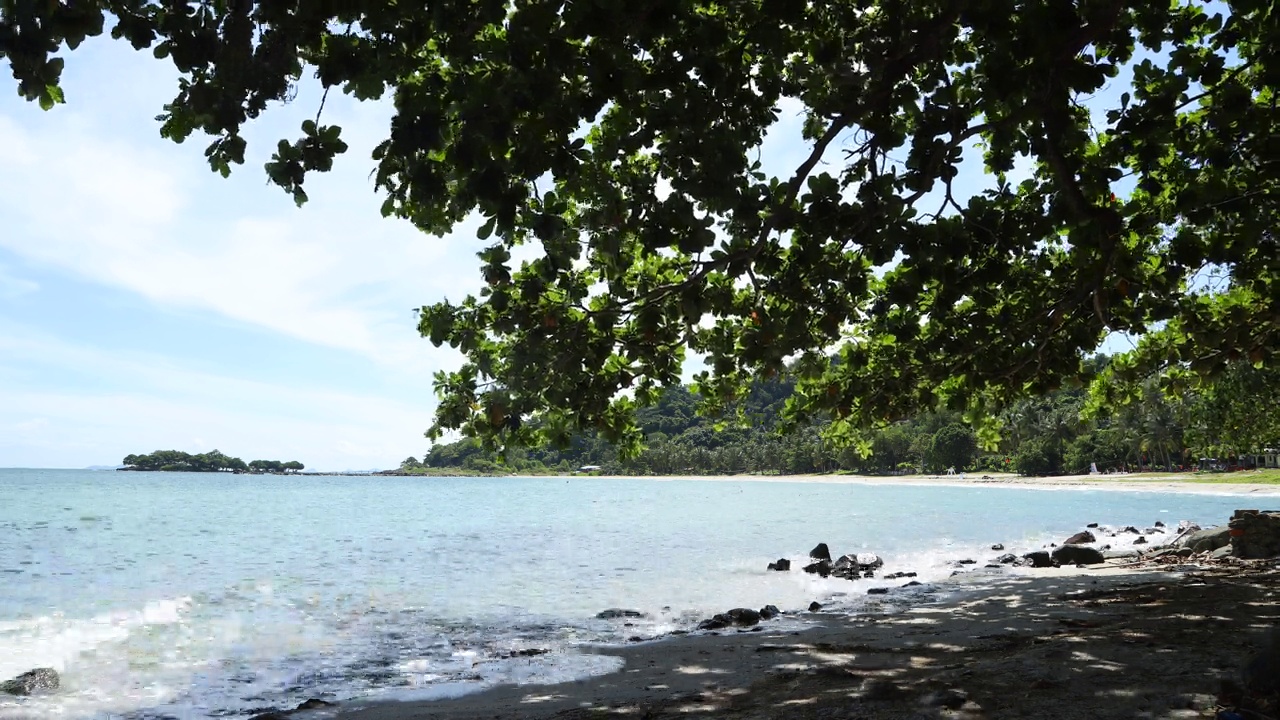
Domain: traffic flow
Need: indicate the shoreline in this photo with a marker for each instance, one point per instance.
(1044, 643)
(1171, 483)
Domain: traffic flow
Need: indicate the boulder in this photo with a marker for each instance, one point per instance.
(997, 547)
(1038, 559)
(618, 613)
(314, 704)
(1092, 525)
(966, 561)
(1158, 523)
(821, 552)
(1152, 531)
(1077, 555)
(878, 591)
(768, 612)
(815, 606)
(1131, 529)
(1007, 559)
(1080, 538)
(32, 682)
(821, 568)
(1206, 540)
(1222, 552)
(1120, 554)
(717, 622)
(895, 576)
(869, 561)
(744, 617)
(1140, 541)
(846, 567)
(781, 565)
(1254, 534)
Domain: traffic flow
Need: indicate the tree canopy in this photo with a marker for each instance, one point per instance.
(620, 141)
(212, 461)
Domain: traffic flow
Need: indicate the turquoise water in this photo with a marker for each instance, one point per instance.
(190, 595)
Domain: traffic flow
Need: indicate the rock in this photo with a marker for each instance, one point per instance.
(820, 552)
(869, 561)
(273, 715)
(1007, 559)
(822, 568)
(1158, 523)
(815, 606)
(1206, 540)
(966, 561)
(768, 612)
(1220, 553)
(877, 591)
(951, 699)
(1254, 534)
(997, 547)
(913, 583)
(992, 566)
(1120, 554)
(1187, 526)
(1038, 559)
(1077, 555)
(32, 682)
(1092, 525)
(1140, 541)
(717, 622)
(781, 565)
(895, 576)
(1080, 538)
(314, 704)
(744, 617)
(846, 567)
(1152, 531)
(1131, 529)
(617, 613)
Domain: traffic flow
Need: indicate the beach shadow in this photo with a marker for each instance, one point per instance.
(1152, 645)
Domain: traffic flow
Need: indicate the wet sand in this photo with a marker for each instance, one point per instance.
(1114, 641)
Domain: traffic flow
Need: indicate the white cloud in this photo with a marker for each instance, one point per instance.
(148, 217)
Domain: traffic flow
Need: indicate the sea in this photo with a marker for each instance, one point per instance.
(174, 595)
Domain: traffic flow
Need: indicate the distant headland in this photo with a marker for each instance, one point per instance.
(212, 461)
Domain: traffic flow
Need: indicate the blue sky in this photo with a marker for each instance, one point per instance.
(147, 303)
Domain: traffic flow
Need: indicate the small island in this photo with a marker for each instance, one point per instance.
(212, 461)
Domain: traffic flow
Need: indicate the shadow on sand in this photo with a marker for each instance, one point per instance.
(1074, 646)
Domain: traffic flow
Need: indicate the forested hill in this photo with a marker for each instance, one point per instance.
(1042, 436)
(212, 461)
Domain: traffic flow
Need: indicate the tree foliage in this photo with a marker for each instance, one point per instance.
(212, 461)
(1053, 434)
(621, 141)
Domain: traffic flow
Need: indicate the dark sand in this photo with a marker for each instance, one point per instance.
(1154, 641)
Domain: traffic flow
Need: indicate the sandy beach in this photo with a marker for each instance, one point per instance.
(1119, 641)
(1171, 483)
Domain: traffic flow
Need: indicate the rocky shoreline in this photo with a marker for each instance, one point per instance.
(1243, 547)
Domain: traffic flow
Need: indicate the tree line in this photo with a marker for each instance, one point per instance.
(212, 461)
(1066, 431)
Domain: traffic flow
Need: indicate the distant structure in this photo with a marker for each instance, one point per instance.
(588, 468)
